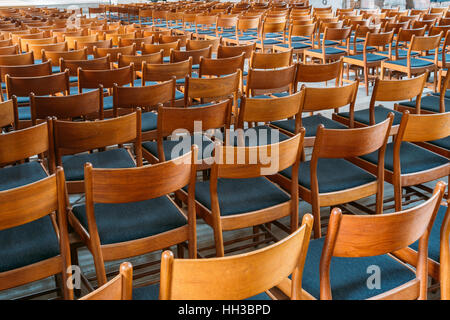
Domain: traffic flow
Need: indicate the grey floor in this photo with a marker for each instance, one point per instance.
(205, 237)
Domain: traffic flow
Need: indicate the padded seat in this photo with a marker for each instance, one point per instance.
(56, 69)
(402, 53)
(21, 174)
(27, 244)
(381, 113)
(328, 50)
(181, 81)
(370, 57)
(415, 63)
(280, 94)
(260, 135)
(412, 158)
(241, 195)
(431, 57)
(151, 292)
(24, 113)
(113, 158)
(327, 43)
(348, 276)
(243, 37)
(270, 41)
(434, 242)
(446, 95)
(149, 121)
(429, 103)
(272, 35)
(310, 124)
(176, 148)
(120, 222)
(359, 47)
(108, 103)
(295, 45)
(443, 143)
(73, 79)
(332, 175)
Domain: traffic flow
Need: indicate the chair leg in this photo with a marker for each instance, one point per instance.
(316, 214)
(366, 79)
(255, 238)
(180, 251)
(398, 197)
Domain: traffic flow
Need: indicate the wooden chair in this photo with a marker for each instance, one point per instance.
(297, 35)
(153, 222)
(139, 42)
(55, 57)
(118, 288)
(328, 179)
(137, 60)
(316, 100)
(407, 164)
(232, 51)
(38, 141)
(7, 115)
(115, 37)
(179, 55)
(276, 82)
(337, 265)
(384, 90)
(247, 30)
(220, 66)
(9, 50)
(70, 107)
(90, 45)
(370, 61)
(72, 138)
(146, 97)
(258, 200)
(70, 40)
(37, 240)
(261, 60)
(165, 38)
(57, 83)
(326, 53)
(213, 116)
(165, 71)
(148, 48)
(310, 73)
(257, 268)
(195, 44)
(114, 52)
(17, 59)
(273, 31)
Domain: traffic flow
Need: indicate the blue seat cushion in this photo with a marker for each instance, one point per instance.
(272, 35)
(181, 80)
(352, 39)
(241, 195)
(370, 57)
(108, 103)
(349, 276)
(20, 175)
(73, 79)
(166, 59)
(328, 50)
(429, 103)
(176, 148)
(151, 292)
(24, 113)
(310, 124)
(327, 43)
(179, 95)
(243, 37)
(270, 41)
(443, 143)
(295, 45)
(20, 100)
(359, 47)
(381, 113)
(431, 57)
(280, 94)
(447, 94)
(56, 69)
(401, 53)
(434, 242)
(415, 63)
(27, 244)
(149, 121)
(260, 135)
(332, 175)
(121, 222)
(412, 158)
(113, 158)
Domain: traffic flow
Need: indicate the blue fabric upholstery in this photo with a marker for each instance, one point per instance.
(20, 175)
(73, 79)
(443, 143)
(310, 124)
(401, 53)
(348, 276)
(182, 146)
(166, 59)
(327, 43)
(151, 292)
(434, 242)
(243, 37)
(415, 63)
(121, 222)
(359, 47)
(412, 158)
(357, 39)
(270, 41)
(56, 69)
(446, 95)
(272, 35)
(108, 103)
(431, 57)
(332, 175)
(429, 103)
(280, 94)
(241, 195)
(295, 45)
(24, 113)
(27, 244)
(381, 113)
(328, 50)
(370, 57)
(149, 121)
(181, 80)
(113, 158)
(260, 135)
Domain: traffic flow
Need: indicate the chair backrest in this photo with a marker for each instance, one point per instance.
(113, 52)
(9, 50)
(115, 37)
(91, 79)
(123, 42)
(29, 70)
(336, 34)
(40, 85)
(37, 48)
(7, 116)
(90, 45)
(405, 35)
(253, 272)
(165, 71)
(72, 137)
(211, 89)
(144, 97)
(179, 55)
(25, 143)
(31, 202)
(17, 59)
(6, 43)
(271, 109)
(201, 44)
(67, 107)
(318, 72)
(270, 80)
(79, 40)
(23, 43)
(118, 288)
(148, 48)
(384, 233)
(56, 56)
(425, 43)
(260, 60)
(151, 58)
(232, 51)
(221, 66)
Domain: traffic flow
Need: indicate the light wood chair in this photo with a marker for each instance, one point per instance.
(7, 115)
